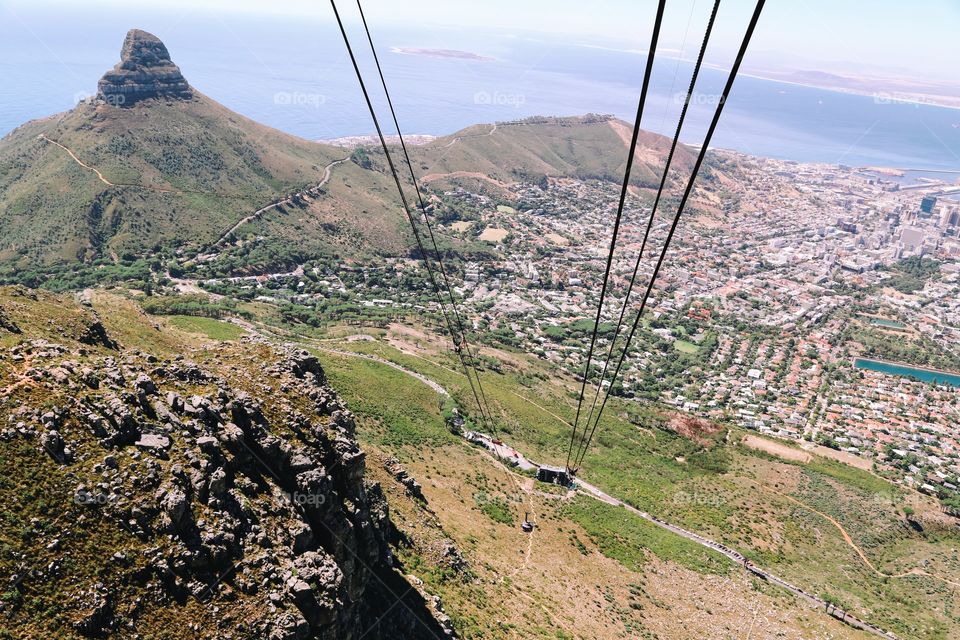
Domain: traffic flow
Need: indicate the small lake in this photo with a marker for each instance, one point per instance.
(885, 322)
(891, 368)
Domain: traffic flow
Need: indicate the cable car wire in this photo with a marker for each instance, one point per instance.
(653, 211)
(734, 70)
(443, 272)
(403, 198)
(648, 71)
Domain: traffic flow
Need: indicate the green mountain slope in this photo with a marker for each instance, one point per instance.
(153, 168)
(584, 147)
(360, 213)
(180, 172)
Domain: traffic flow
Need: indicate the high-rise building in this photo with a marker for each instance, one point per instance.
(945, 214)
(927, 205)
(911, 237)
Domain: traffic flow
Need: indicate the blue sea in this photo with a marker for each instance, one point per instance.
(295, 75)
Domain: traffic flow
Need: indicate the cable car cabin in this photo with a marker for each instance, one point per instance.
(553, 475)
(526, 525)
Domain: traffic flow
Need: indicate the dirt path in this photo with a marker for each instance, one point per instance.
(104, 180)
(273, 205)
(78, 160)
(857, 549)
(436, 386)
(21, 378)
(777, 449)
(479, 135)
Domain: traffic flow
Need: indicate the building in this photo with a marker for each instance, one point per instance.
(553, 475)
(927, 205)
(911, 237)
(948, 217)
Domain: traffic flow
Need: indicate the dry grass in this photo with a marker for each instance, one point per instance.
(778, 449)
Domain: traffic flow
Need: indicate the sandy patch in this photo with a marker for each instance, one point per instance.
(494, 234)
(840, 456)
(464, 174)
(777, 449)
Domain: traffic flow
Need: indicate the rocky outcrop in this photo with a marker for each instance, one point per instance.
(145, 71)
(399, 473)
(253, 493)
(6, 324)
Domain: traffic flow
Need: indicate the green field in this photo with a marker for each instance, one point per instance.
(630, 540)
(684, 346)
(211, 328)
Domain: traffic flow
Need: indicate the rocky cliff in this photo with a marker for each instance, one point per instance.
(145, 71)
(220, 492)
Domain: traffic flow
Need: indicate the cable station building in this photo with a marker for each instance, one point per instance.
(553, 475)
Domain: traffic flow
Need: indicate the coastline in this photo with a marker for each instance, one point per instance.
(887, 97)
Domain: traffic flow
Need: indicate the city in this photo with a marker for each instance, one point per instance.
(784, 291)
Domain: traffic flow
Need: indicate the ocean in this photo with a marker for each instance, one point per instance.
(295, 75)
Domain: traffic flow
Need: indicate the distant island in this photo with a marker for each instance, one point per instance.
(441, 53)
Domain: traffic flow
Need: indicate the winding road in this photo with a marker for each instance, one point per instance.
(504, 452)
(478, 135)
(226, 234)
(436, 386)
(273, 205)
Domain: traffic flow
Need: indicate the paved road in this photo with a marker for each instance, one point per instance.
(505, 453)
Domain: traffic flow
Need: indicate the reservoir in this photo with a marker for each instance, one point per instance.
(884, 322)
(891, 368)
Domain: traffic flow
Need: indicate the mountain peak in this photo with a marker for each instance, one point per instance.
(145, 71)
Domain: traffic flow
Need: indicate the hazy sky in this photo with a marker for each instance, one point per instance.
(898, 37)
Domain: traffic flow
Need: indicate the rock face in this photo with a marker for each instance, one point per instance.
(240, 487)
(6, 324)
(145, 71)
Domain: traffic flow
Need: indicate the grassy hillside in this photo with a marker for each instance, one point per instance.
(100, 185)
(584, 147)
(180, 174)
(361, 215)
